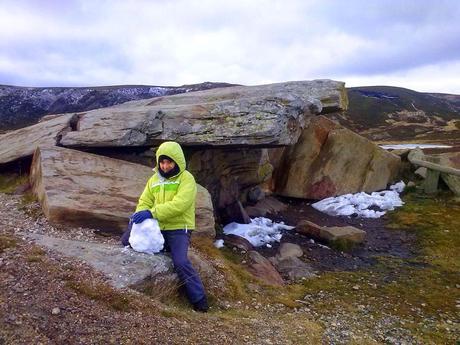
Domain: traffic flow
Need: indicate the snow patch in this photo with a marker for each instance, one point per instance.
(219, 243)
(360, 204)
(259, 232)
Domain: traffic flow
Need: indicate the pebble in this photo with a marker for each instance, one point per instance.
(56, 311)
(355, 287)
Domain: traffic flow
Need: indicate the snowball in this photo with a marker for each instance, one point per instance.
(146, 237)
(259, 232)
(360, 204)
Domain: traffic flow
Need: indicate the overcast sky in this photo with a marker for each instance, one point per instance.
(413, 44)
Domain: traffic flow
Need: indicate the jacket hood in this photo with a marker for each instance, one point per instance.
(173, 150)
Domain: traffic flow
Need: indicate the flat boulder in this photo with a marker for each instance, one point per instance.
(346, 235)
(330, 160)
(122, 266)
(22, 142)
(264, 115)
(292, 268)
(84, 189)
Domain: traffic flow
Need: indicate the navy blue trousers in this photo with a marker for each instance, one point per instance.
(177, 242)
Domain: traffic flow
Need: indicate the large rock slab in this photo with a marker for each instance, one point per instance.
(330, 160)
(23, 142)
(263, 115)
(126, 268)
(84, 189)
(122, 266)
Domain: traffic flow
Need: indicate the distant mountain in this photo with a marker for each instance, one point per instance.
(24, 106)
(385, 113)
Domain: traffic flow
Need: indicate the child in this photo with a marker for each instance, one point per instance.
(169, 196)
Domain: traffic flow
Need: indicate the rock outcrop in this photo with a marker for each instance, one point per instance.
(24, 106)
(123, 267)
(228, 175)
(84, 189)
(330, 160)
(227, 134)
(264, 115)
(126, 268)
(342, 235)
(23, 142)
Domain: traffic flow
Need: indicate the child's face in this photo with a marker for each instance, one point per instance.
(167, 165)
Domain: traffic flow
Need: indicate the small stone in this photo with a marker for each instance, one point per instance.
(355, 287)
(423, 304)
(56, 311)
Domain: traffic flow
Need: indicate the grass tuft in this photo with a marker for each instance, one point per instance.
(10, 181)
(7, 242)
(102, 293)
(35, 255)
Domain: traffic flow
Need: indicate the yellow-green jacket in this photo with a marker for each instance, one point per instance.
(171, 200)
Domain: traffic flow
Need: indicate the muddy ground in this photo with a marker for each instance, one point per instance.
(379, 241)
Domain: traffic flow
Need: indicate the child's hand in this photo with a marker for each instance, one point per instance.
(140, 216)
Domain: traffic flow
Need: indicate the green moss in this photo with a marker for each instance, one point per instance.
(102, 293)
(28, 198)
(265, 171)
(236, 277)
(342, 245)
(36, 255)
(436, 223)
(9, 182)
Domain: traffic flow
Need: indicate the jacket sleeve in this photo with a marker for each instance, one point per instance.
(146, 200)
(184, 198)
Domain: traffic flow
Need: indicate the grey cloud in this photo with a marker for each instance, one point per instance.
(185, 41)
